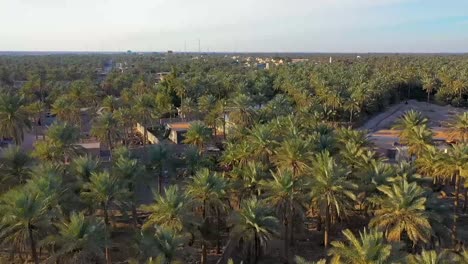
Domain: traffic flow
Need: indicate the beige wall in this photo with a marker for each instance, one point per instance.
(150, 137)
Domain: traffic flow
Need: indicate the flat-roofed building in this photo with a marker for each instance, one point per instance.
(177, 131)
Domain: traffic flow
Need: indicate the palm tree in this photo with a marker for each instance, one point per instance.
(237, 154)
(255, 224)
(418, 139)
(242, 114)
(14, 119)
(370, 247)
(193, 161)
(330, 189)
(106, 128)
(293, 154)
(131, 173)
(251, 176)
(458, 128)
(161, 242)
(169, 211)
(198, 135)
(66, 110)
(160, 157)
(60, 143)
(36, 110)
(83, 167)
(454, 163)
(262, 140)
(429, 84)
(284, 193)
(429, 257)
(111, 103)
(208, 191)
(408, 121)
(301, 260)
(145, 111)
(16, 164)
(24, 214)
(126, 122)
(102, 191)
(79, 240)
(401, 210)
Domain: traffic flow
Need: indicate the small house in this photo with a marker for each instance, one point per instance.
(177, 131)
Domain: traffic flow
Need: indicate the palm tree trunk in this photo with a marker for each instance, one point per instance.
(134, 215)
(109, 142)
(286, 236)
(106, 221)
(428, 97)
(204, 253)
(465, 198)
(218, 231)
(457, 190)
(160, 182)
(327, 226)
(33, 244)
(255, 247)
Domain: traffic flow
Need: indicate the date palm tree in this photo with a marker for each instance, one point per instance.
(402, 210)
(330, 189)
(255, 224)
(131, 173)
(145, 111)
(429, 84)
(285, 194)
(263, 142)
(24, 214)
(60, 143)
(103, 191)
(458, 127)
(197, 135)
(83, 167)
(111, 103)
(301, 260)
(430, 257)
(169, 211)
(106, 129)
(370, 247)
(242, 114)
(66, 110)
(408, 121)
(160, 158)
(16, 164)
(162, 243)
(81, 239)
(293, 154)
(14, 118)
(418, 139)
(208, 191)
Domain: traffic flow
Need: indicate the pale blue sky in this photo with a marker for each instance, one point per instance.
(235, 25)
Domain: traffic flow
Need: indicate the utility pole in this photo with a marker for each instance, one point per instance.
(199, 46)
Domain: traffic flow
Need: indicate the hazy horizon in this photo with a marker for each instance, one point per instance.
(242, 26)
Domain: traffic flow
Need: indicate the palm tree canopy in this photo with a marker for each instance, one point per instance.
(329, 186)
(14, 120)
(458, 127)
(81, 239)
(198, 135)
(369, 248)
(401, 209)
(169, 211)
(255, 217)
(207, 188)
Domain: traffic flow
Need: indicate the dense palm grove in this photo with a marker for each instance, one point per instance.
(294, 182)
